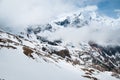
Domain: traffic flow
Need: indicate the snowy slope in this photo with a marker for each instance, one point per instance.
(25, 68)
(78, 46)
(89, 37)
(17, 64)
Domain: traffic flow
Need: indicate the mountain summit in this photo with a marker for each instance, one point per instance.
(77, 46)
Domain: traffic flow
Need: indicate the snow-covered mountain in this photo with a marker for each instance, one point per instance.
(71, 32)
(77, 46)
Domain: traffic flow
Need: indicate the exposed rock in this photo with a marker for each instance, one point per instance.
(62, 53)
(28, 51)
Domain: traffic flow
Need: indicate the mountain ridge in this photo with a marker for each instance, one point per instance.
(62, 42)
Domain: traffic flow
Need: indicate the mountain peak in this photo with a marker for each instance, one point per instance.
(81, 43)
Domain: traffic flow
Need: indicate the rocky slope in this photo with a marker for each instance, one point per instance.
(62, 43)
(73, 61)
(55, 34)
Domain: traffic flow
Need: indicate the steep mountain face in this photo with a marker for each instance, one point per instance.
(61, 42)
(109, 57)
(106, 57)
(72, 63)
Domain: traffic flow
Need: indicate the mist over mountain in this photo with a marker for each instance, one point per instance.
(59, 40)
(83, 26)
(92, 26)
(20, 14)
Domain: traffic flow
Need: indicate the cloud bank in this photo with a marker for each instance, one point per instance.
(98, 33)
(20, 13)
(25, 12)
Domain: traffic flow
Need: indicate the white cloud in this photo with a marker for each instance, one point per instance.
(90, 8)
(118, 12)
(26, 12)
(103, 35)
(19, 13)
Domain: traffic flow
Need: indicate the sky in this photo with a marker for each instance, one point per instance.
(106, 7)
(18, 13)
(109, 7)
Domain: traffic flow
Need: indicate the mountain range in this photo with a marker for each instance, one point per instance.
(77, 46)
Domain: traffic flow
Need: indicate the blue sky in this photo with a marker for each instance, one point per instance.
(108, 7)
